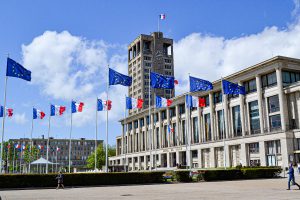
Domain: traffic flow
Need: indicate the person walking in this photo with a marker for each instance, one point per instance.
(298, 168)
(60, 181)
(291, 177)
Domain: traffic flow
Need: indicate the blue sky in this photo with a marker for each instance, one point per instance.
(67, 44)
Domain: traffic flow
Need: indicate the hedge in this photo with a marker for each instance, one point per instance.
(243, 173)
(79, 179)
(183, 176)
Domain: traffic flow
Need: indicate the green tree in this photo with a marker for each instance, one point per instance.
(100, 156)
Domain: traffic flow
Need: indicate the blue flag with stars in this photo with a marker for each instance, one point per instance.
(116, 78)
(197, 84)
(161, 81)
(14, 69)
(232, 88)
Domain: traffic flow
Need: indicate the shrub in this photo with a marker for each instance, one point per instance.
(183, 176)
(80, 179)
(222, 174)
(252, 173)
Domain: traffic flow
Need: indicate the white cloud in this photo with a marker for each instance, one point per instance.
(295, 12)
(19, 118)
(211, 57)
(68, 67)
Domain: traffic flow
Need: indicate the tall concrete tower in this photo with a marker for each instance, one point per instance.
(149, 53)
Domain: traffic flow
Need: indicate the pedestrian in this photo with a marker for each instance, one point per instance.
(291, 177)
(60, 181)
(298, 168)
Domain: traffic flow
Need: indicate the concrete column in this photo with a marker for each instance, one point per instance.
(287, 150)
(212, 116)
(169, 123)
(159, 159)
(262, 153)
(282, 100)
(145, 162)
(226, 115)
(139, 163)
(133, 163)
(244, 154)
(122, 142)
(242, 112)
(177, 126)
(168, 159)
(227, 156)
(260, 103)
(160, 130)
(133, 138)
(177, 157)
(138, 145)
(212, 157)
(199, 124)
(152, 125)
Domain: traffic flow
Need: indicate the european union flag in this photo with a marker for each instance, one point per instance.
(232, 88)
(161, 81)
(1, 111)
(116, 78)
(197, 84)
(14, 69)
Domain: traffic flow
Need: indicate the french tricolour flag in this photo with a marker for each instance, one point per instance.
(77, 106)
(162, 16)
(104, 105)
(18, 146)
(40, 147)
(57, 110)
(38, 114)
(194, 102)
(162, 102)
(132, 103)
(8, 112)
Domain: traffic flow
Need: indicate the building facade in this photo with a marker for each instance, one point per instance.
(149, 53)
(81, 149)
(260, 128)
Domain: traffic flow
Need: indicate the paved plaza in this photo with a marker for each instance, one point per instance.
(246, 189)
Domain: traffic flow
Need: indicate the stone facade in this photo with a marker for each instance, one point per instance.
(261, 127)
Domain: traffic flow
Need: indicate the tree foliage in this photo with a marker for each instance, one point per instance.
(100, 156)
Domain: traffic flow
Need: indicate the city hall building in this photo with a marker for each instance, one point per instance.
(261, 127)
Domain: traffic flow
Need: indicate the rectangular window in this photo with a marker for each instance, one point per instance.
(237, 124)
(218, 97)
(275, 122)
(206, 100)
(254, 147)
(273, 149)
(163, 115)
(195, 130)
(207, 127)
(157, 137)
(250, 86)
(254, 117)
(220, 124)
(181, 109)
(273, 104)
(269, 80)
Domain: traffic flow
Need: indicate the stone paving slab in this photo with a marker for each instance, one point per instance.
(246, 189)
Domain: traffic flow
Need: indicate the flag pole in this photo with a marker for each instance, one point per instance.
(189, 128)
(125, 129)
(14, 158)
(106, 147)
(70, 142)
(96, 133)
(153, 133)
(56, 161)
(158, 22)
(31, 144)
(21, 155)
(3, 123)
(223, 124)
(149, 127)
(48, 143)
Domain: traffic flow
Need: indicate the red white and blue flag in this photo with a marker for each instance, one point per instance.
(104, 105)
(170, 129)
(38, 114)
(24, 147)
(194, 102)
(57, 149)
(18, 146)
(132, 103)
(57, 110)
(8, 112)
(77, 106)
(162, 16)
(162, 102)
